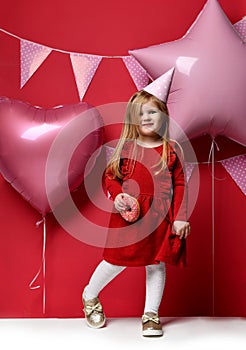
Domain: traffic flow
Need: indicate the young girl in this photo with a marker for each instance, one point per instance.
(146, 166)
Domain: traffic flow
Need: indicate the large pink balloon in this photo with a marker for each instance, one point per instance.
(26, 136)
(208, 91)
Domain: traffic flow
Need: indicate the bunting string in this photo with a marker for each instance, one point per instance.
(240, 26)
(32, 55)
(55, 49)
(84, 65)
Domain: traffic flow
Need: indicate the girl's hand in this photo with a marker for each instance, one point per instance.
(181, 228)
(119, 203)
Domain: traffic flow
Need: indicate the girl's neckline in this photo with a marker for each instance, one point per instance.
(144, 145)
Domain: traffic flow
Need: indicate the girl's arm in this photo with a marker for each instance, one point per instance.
(112, 185)
(180, 225)
(179, 201)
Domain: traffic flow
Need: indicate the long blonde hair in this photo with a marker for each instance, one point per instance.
(130, 131)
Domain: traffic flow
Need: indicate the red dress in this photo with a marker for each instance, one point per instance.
(162, 198)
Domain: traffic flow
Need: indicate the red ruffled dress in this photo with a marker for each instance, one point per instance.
(162, 198)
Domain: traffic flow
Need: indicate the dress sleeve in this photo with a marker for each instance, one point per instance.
(180, 193)
(112, 185)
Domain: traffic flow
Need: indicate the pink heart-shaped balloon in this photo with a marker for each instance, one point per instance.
(27, 134)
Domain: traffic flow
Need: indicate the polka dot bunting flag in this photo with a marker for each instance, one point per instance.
(137, 72)
(84, 67)
(241, 28)
(32, 56)
(236, 167)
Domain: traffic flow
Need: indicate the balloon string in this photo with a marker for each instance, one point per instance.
(213, 229)
(212, 162)
(42, 266)
(60, 50)
(211, 152)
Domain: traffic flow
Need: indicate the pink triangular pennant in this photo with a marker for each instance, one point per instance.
(32, 56)
(236, 167)
(189, 167)
(241, 28)
(84, 67)
(137, 72)
(109, 152)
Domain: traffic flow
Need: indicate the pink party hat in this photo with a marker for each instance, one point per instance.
(161, 86)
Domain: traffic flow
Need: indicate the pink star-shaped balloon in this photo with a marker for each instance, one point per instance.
(208, 91)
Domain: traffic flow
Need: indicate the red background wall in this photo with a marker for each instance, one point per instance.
(212, 284)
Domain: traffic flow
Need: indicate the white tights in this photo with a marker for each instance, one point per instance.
(106, 272)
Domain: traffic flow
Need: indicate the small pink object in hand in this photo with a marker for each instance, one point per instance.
(132, 212)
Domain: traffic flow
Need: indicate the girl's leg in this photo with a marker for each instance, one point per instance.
(103, 274)
(155, 282)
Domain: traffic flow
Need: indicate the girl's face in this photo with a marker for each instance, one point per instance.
(151, 120)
